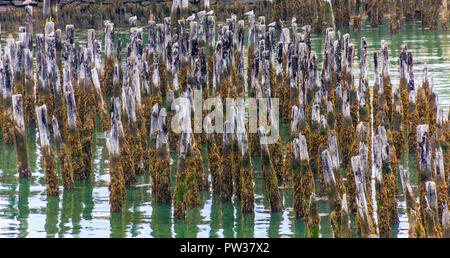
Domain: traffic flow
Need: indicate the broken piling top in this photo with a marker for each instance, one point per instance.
(29, 26)
(377, 158)
(431, 195)
(346, 103)
(334, 153)
(295, 119)
(227, 132)
(407, 188)
(154, 123)
(363, 66)
(163, 135)
(56, 131)
(300, 148)
(44, 130)
(330, 180)
(363, 152)
(362, 132)
(361, 202)
(410, 71)
(7, 76)
(251, 27)
(117, 110)
(70, 33)
(350, 60)
(109, 39)
(440, 117)
(383, 143)
(49, 28)
(167, 31)
(285, 39)
(356, 168)
(403, 62)
(71, 108)
(425, 73)
(112, 138)
(132, 21)
(159, 38)
(240, 37)
(211, 31)
(130, 104)
(385, 58)
(185, 143)
(17, 103)
(377, 72)
(424, 149)
(345, 53)
(151, 36)
(315, 114)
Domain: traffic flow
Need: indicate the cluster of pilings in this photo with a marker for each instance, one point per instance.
(145, 102)
(321, 14)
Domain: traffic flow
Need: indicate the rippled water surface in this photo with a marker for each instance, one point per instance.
(26, 211)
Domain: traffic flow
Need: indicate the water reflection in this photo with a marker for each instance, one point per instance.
(51, 222)
(22, 206)
(66, 212)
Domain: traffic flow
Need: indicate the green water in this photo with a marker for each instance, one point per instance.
(26, 211)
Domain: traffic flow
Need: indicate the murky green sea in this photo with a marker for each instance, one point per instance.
(26, 211)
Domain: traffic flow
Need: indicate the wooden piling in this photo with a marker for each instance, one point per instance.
(64, 162)
(20, 137)
(51, 175)
(117, 193)
(163, 168)
(276, 204)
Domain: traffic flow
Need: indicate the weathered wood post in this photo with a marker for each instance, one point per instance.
(28, 98)
(432, 225)
(7, 119)
(74, 125)
(109, 67)
(303, 181)
(180, 194)
(163, 170)
(387, 85)
(51, 176)
(246, 174)
(416, 229)
(313, 217)
(20, 137)
(154, 130)
(363, 217)
(441, 183)
(226, 176)
(276, 204)
(63, 158)
(127, 152)
(428, 209)
(116, 187)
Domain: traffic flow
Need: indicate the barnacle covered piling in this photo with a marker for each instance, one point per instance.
(63, 158)
(20, 137)
(276, 204)
(51, 175)
(117, 192)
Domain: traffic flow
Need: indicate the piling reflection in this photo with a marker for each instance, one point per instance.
(23, 206)
(51, 212)
(66, 212)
